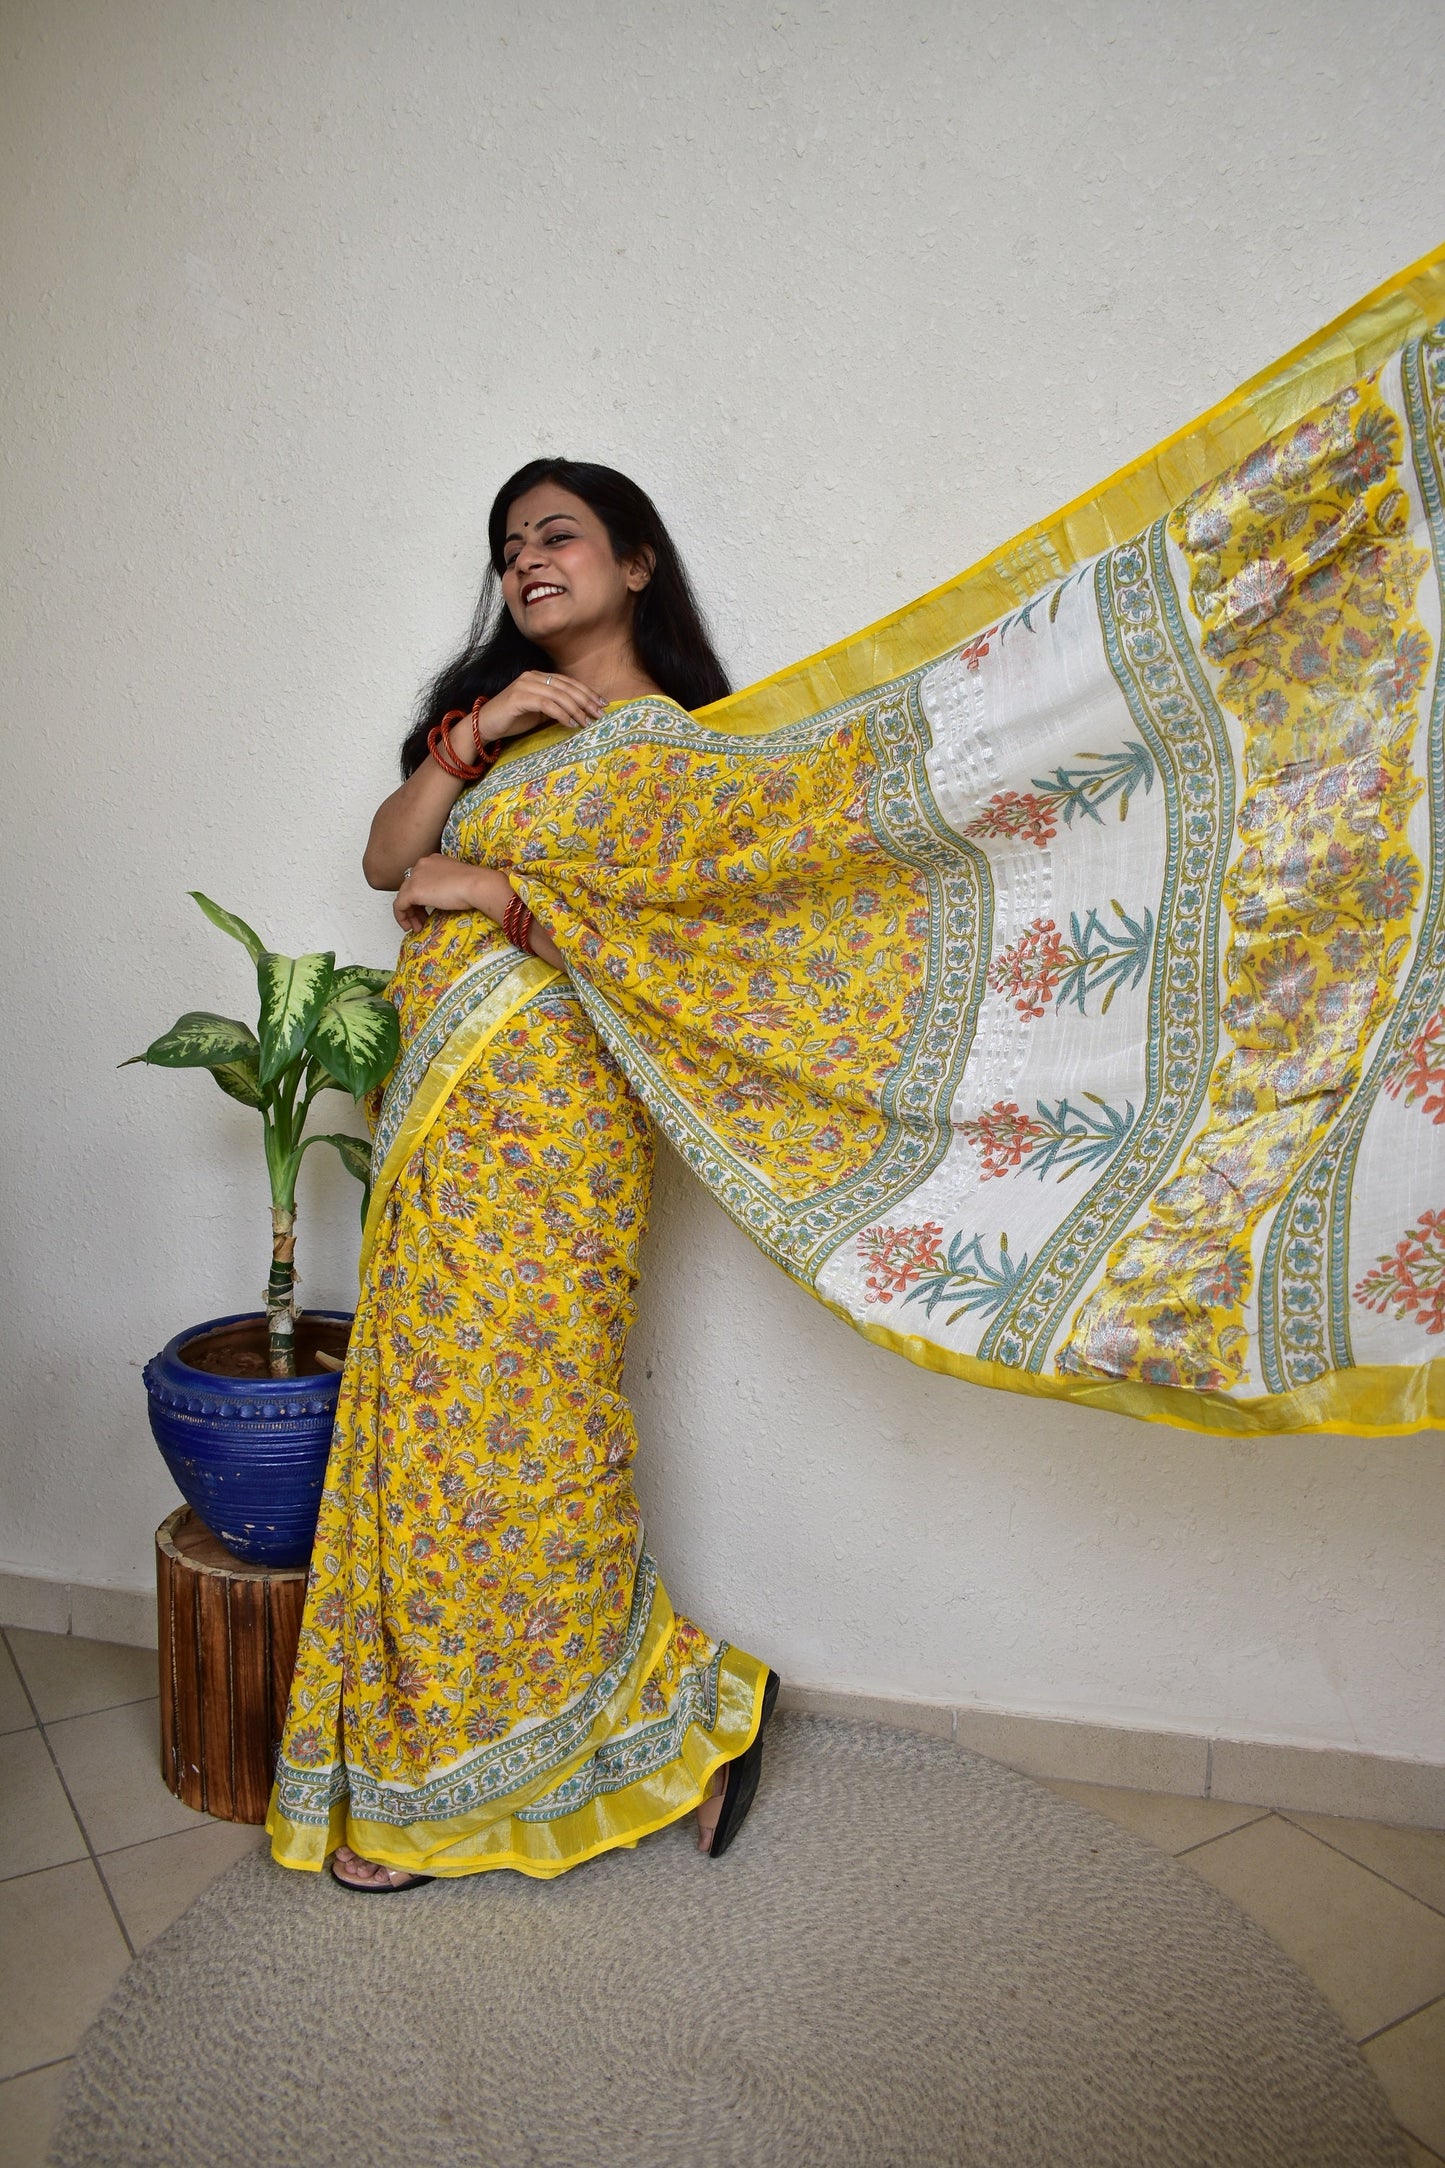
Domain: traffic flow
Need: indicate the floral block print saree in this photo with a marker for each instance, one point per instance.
(1051, 980)
(490, 1673)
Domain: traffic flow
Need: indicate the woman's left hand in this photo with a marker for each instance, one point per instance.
(439, 883)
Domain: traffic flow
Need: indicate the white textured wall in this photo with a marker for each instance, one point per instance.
(858, 291)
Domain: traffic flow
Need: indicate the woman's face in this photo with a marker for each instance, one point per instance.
(560, 579)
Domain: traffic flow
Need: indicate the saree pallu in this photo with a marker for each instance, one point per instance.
(490, 1673)
(1057, 991)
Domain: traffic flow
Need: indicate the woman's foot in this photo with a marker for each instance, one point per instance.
(354, 1872)
(711, 1808)
(734, 1785)
(724, 1811)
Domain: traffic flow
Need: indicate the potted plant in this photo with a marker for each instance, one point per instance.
(242, 1407)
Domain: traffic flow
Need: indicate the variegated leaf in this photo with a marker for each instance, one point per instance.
(199, 1040)
(375, 982)
(237, 928)
(241, 1080)
(356, 1037)
(294, 990)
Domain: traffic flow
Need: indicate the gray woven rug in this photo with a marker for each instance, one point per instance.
(910, 1956)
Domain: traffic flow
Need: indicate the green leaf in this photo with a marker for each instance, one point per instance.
(294, 990)
(375, 982)
(237, 928)
(241, 1080)
(356, 1037)
(199, 1040)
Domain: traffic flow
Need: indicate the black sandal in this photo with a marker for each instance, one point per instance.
(741, 1781)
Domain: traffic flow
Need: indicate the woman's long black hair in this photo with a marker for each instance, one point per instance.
(668, 632)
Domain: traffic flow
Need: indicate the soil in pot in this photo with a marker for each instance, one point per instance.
(239, 1350)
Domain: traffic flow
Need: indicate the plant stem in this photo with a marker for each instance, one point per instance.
(280, 1294)
(283, 1160)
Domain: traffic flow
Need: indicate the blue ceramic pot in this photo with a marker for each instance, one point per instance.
(248, 1454)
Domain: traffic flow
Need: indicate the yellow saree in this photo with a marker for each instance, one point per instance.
(1051, 980)
(490, 1673)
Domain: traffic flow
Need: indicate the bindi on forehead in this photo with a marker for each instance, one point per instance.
(543, 519)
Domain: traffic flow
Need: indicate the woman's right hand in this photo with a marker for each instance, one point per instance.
(536, 697)
(413, 819)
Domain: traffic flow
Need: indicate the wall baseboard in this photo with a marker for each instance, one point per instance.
(127, 1615)
(1195, 1765)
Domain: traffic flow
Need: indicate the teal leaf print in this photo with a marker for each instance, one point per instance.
(1107, 958)
(967, 1279)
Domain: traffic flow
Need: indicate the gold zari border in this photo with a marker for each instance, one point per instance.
(463, 1049)
(491, 1836)
(1116, 510)
(1374, 1400)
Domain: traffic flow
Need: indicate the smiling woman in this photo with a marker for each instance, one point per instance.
(490, 1673)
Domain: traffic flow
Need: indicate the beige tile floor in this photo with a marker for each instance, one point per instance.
(96, 1857)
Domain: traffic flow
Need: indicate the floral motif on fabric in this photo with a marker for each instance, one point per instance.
(897, 1257)
(965, 1279)
(1304, 1308)
(1033, 816)
(1303, 578)
(1419, 1077)
(1062, 1137)
(446, 970)
(1043, 965)
(912, 1262)
(766, 975)
(681, 1691)
(1410, 1281)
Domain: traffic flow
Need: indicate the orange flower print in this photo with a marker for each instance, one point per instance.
(1031, 967)
(1015, 813)
(1411, 1279)
(899, 1257)
(1422, 1074)
(1002, 1137)
(1069, 794)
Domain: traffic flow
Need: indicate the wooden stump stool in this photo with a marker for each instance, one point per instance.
(228, 1634)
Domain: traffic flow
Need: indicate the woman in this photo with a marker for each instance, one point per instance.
(490, 1673)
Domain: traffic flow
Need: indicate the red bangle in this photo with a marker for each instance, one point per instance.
(517, 925)
(439, 745)
(486, 754)
(445, 758)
